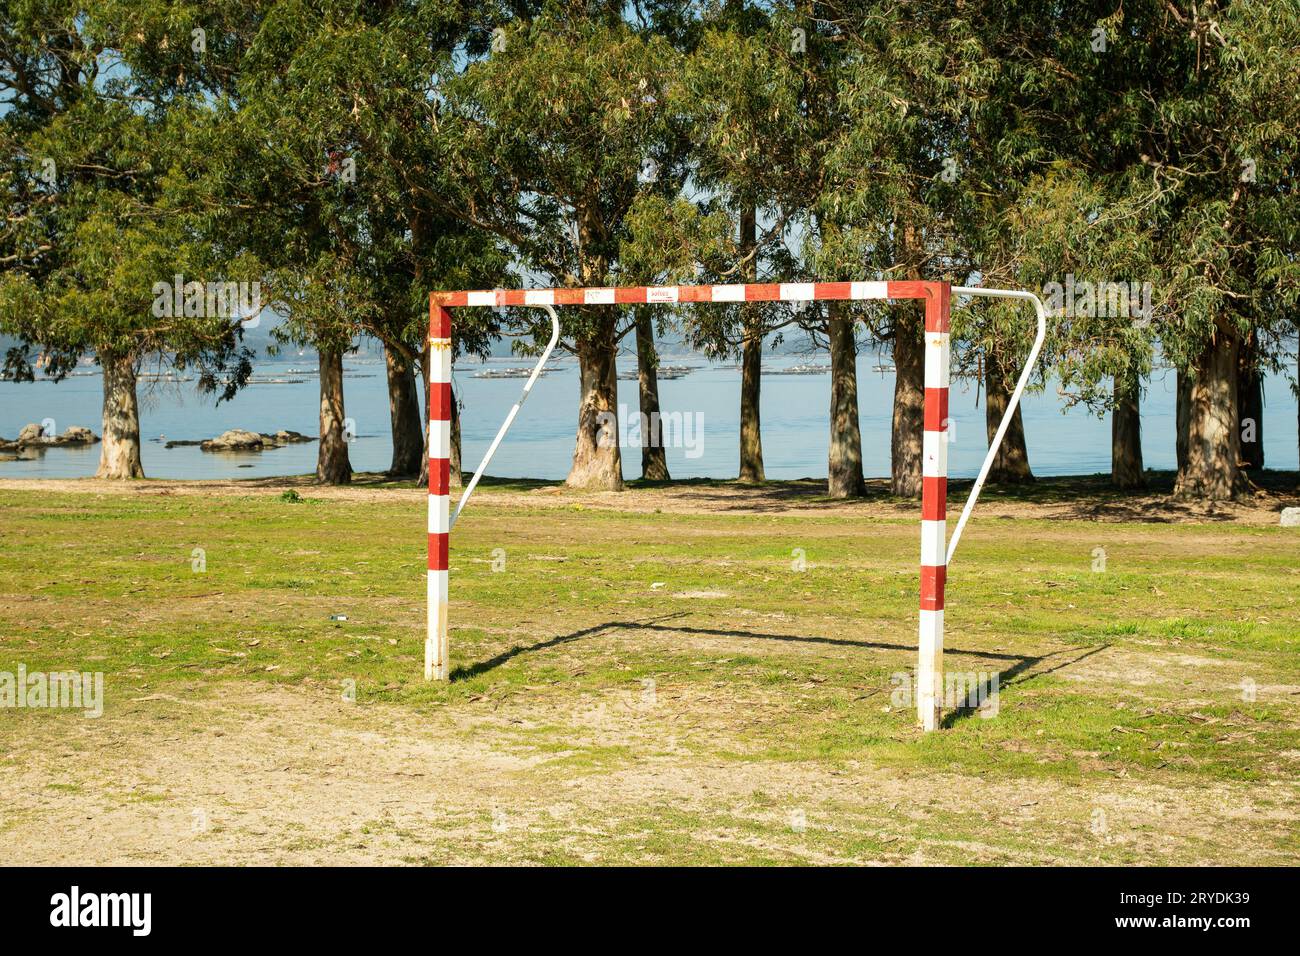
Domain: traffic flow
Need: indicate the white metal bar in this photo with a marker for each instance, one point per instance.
(505, 426)
(1011, 405)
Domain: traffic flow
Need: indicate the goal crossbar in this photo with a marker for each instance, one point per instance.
(936, 549)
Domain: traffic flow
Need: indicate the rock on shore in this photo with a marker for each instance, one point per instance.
(33, 436)
(237, 439)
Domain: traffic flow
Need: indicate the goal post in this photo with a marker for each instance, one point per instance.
(436, 650)
(936, 549)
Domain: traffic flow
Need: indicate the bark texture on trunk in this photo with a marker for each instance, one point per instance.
(905, 451)
(1250, 407)
(455, 477)
(1182, 417)
(1126, 470)
(1011, 464)
(119, 453)
(597, 459)
(844, 467)
(423, 480)
(751, 383)
(751, 362)
(654, 461)
(405, 420)
(1210, 471)
(332, 464)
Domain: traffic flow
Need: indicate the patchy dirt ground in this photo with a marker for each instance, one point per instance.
(269, 775)
(690, 724)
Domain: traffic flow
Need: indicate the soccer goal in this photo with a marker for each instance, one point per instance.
(937, 548)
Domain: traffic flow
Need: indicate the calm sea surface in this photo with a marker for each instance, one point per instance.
(794, 412)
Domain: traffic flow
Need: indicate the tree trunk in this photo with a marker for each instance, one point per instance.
(751, 383)
(597, 460)
(1182, 417)
(654, 462)
(455, 478)
(332, 465)
(907, 431)
(1250, 407)
(1126, 469)
(845, 465)
(1213, 442)
(905, 447)
(404, 416)
(119, 454)
(751, 364)
(423, 480)
(1011, 465)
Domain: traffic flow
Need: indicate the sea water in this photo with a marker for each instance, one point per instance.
(794, 409)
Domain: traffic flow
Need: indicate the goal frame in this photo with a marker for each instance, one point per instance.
(936, 549)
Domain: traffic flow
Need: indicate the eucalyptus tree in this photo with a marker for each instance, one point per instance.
(959, 163)
(426, 251)
(300, 184)
(1220, 168)
(1056, 136)
(826, 246)
(742, 88)
(672, 240)
(108, 222)
(1091, 256)
(1015, 210)
(1181, 125)
(345, 197)
(768, 86)
(903, 81)
(395, 58)
(553, 135)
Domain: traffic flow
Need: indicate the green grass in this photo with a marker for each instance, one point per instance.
(614, 638)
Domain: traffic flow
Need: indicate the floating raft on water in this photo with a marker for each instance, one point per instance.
(803, 369)
(265, 380)
(506, 373)
(663, 373)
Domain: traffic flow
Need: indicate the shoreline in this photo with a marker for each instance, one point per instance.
(1071, 498)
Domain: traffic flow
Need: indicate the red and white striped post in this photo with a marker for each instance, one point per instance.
(436, 665)
(934, 504)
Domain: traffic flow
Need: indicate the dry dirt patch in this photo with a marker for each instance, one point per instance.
(266, 774)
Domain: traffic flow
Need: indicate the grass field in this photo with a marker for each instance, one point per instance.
(645, 678)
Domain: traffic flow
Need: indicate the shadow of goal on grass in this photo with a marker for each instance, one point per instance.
(667, 624)
(987, 689)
